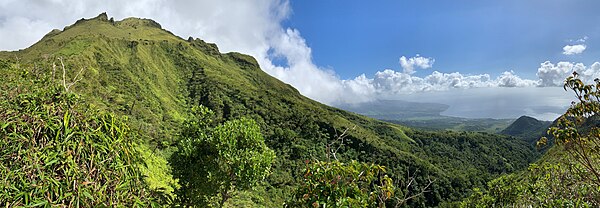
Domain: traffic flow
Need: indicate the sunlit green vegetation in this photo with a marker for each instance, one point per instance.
(133, 69)
(213, 163)
(335, 184)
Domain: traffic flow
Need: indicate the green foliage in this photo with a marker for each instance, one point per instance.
(157, 173)
(337, 184)
(469, 159)
(214, 162)
(547, 184)
(56, 151)
(567, 176)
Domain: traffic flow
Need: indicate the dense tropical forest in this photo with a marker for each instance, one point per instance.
(124, 113)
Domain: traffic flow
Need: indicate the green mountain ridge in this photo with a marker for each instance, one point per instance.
(135, 68)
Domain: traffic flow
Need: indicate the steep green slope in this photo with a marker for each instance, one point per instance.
(134, 68)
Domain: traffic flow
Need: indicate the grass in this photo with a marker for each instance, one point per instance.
(59, 152)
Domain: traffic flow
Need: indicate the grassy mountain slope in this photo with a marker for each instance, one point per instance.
(134, 68)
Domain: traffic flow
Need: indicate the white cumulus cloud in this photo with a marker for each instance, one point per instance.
(410, 64)
(550, 74)
(574, 49)
(509, 79)
(389, 82)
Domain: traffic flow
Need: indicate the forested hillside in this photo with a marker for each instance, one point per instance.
(133, 68)
(528, 128)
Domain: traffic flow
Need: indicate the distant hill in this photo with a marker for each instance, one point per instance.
(425, 116)
(527, 128)
(489, 125)
(134, 68)
(395, 109)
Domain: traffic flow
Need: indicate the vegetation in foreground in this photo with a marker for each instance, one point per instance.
(58, 151)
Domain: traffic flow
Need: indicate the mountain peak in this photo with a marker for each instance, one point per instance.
(209, 48)
(528, 128)
(102, 16)
(527, 119)
(128, 29)
(139, 22)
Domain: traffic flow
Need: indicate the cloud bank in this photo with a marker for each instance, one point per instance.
(255, 28)
(390, 82)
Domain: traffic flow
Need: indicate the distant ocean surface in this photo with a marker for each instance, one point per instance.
(544, 103)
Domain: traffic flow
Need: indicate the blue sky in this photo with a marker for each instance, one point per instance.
(355, 37)
(499, 59)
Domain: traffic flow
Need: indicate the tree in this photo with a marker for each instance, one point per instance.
(212, 163)
(577, 130)
(333, 183)
(66, 85)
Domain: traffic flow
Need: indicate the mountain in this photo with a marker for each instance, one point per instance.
(134, 68)
(527, 128)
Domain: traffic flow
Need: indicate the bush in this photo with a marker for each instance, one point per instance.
(337, 184)
(213, 163)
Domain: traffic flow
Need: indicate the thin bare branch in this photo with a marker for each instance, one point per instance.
(407, 196)
(76, 79)
(339, 139)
